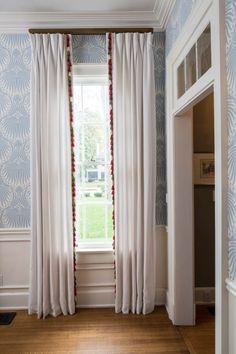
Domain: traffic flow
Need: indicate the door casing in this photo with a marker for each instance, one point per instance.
(180, 296)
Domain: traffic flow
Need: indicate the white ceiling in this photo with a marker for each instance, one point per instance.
(20, 15)
(76, 5)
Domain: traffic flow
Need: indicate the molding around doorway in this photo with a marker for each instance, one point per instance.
(205, 11)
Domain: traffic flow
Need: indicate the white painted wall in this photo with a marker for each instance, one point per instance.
(95, 272)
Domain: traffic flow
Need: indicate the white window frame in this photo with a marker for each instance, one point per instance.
(91, 74)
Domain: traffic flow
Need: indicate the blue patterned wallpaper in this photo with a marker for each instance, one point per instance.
(15, 126)
(89, 49)
(230, 26)
(159, 65)
(92, 49)
(14, 131)
(177, 19)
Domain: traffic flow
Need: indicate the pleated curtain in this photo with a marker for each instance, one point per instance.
(134, 146)
(51, 268)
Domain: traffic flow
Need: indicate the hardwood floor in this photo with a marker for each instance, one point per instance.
(200, 339)
(101, 331)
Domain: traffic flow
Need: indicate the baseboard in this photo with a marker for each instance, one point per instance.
(99, 297)
(160, 297)
(204, 295)
(95, 306)
(169, 306)
(96, 297)
(14, 301)
(105, 297)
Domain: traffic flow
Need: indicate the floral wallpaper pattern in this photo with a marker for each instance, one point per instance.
(14, 131)
(230, 28)
(15, 58)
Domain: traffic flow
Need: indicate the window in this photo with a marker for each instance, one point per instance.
(92, 157)
(196, 63)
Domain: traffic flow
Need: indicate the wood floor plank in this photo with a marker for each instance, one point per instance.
(200, 339)
(98, 331)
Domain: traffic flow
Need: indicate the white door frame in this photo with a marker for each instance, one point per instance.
(180, 274)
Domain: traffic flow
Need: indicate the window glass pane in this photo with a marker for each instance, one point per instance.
(92, 157)
(191, 67)
(181, 79)
(91, 142)
(81, 221)
(109, 221)
(204, 51)
(95, 221)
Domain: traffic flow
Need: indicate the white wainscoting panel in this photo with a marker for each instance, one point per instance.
(231, 287)
(14, 268)
(95, 272)
(95, 275)
(161, 233)
(95, 278)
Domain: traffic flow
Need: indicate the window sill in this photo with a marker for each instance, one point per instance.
(94, 250)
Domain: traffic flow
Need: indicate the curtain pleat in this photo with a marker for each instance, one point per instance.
(134, 130)
(51, 269)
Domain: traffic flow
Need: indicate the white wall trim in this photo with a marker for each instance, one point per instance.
(203, 11)
(16, 231)
(22, 21)
(5, 288)
(94, 266)
(99, 293)
(9, 300)
(15, 235)
(95, 271)
(162, 11)
(231, 286)
(95, 306)
(94, 250)
(95, 285)
(160, 297)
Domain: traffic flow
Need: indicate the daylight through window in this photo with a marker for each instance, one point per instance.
(92, 157)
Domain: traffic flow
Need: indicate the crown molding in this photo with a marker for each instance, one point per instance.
(15, 22)
(162, 11)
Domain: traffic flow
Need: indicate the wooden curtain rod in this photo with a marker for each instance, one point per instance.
(89, 30)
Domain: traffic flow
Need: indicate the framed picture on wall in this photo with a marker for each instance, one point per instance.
(204, 168)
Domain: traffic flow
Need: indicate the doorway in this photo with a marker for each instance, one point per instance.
(204, 204)
(179, 125)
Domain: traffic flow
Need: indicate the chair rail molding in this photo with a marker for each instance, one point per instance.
(15, 235)
(231, 286)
